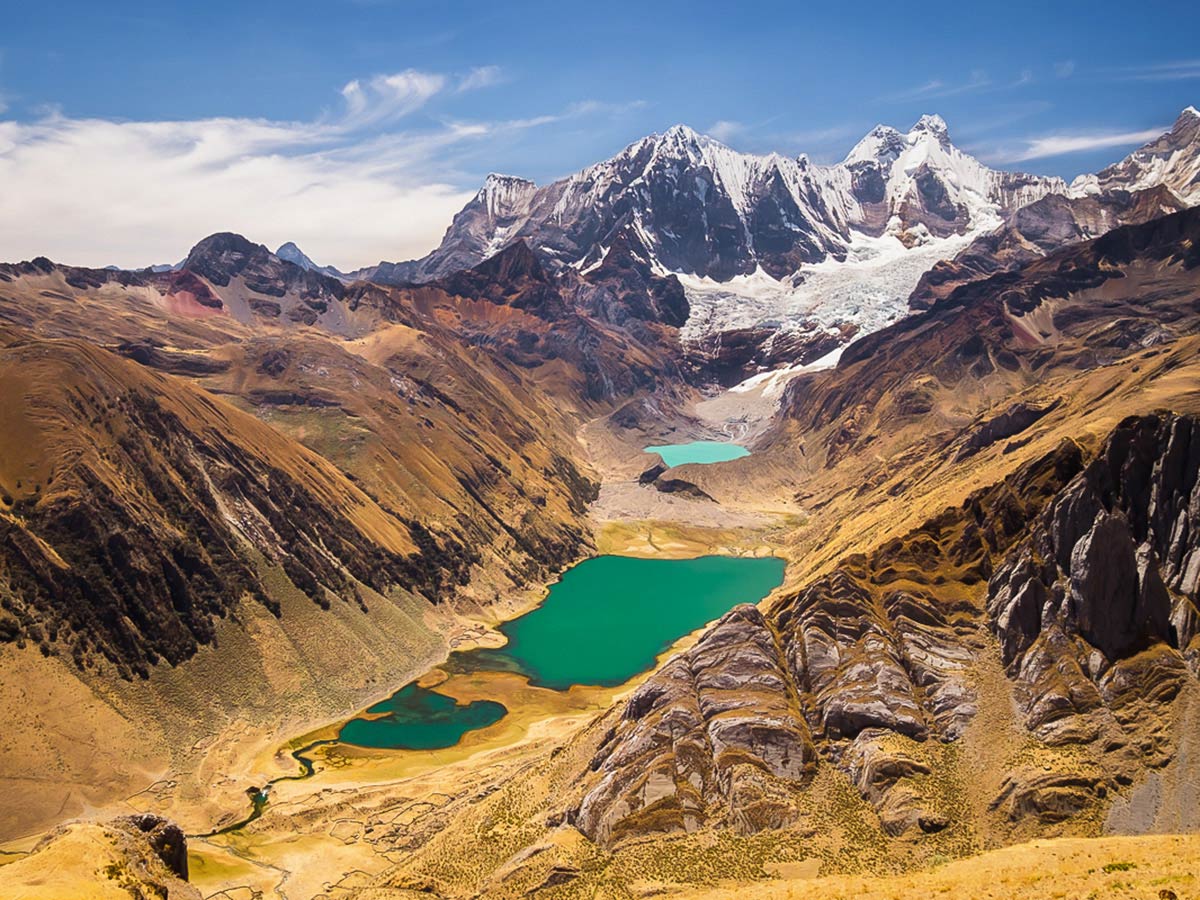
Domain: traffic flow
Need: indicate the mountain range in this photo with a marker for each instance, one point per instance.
(764, 244)
(243, 496)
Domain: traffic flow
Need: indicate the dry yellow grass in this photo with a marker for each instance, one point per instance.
(1063, 869)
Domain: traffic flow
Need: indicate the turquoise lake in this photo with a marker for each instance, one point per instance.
(698, 452)
(604, 622)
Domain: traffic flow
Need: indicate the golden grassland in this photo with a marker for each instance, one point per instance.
(1149, 866)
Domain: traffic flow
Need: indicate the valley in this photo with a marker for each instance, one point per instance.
(577, 560)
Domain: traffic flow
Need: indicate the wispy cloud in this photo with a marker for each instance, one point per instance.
(388, 97)
(1179, 70)
(480, 77)
(1064, 69)
(978, 81)
(352, 187)
(936, 87)
(1063, 144)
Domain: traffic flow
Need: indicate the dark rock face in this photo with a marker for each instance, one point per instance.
(166, 839)
(729, 357)
(626, 287)
(1009, 423)
(595, 325)
(1102, 594)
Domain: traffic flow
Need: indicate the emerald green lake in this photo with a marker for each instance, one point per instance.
(415, 718)
(698, 452)
(604, 622)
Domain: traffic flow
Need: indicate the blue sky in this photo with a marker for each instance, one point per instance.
(356, 127)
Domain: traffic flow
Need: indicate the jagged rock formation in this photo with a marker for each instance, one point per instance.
(1092, 593)
(1096, 610)
(715, 727)
(693, 205)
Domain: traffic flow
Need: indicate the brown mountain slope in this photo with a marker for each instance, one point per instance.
(1092, 598)
(136, 507)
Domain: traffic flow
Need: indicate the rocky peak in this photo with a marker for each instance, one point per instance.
(504, 195)
(221, 257)
(514, 263)
(293, 254)
(1172, 159)
(681, 136)
(933, 126)
(882, 144)
(223, 254)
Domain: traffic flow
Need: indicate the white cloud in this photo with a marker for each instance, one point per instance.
(1062, 144)
(480, 77)
(385, 98)
(1064, 69)
(725, 129)
(96, 192)
(93, 192)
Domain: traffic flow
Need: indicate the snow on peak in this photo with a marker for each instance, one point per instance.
(681, 133)
(289, 252)
(882, 144)
(1191, 110)
(505, 195)
(931, 124)
(496, 181)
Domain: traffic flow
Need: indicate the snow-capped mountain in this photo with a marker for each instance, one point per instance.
(293, 254)
(1172, 160)
(774, 243)
(701, 208)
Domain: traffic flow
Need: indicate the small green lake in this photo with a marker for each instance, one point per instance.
(415, 718)
(604, 622)
(698, 452)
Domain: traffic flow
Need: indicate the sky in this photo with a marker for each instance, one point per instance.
(357, 128)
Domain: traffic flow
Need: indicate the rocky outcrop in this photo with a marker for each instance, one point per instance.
(1096, 609)
(717, 735)
(1009, 423)
(164, 837)
(141, 857)
(681, 486)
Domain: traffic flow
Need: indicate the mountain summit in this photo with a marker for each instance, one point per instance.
(702, 208)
